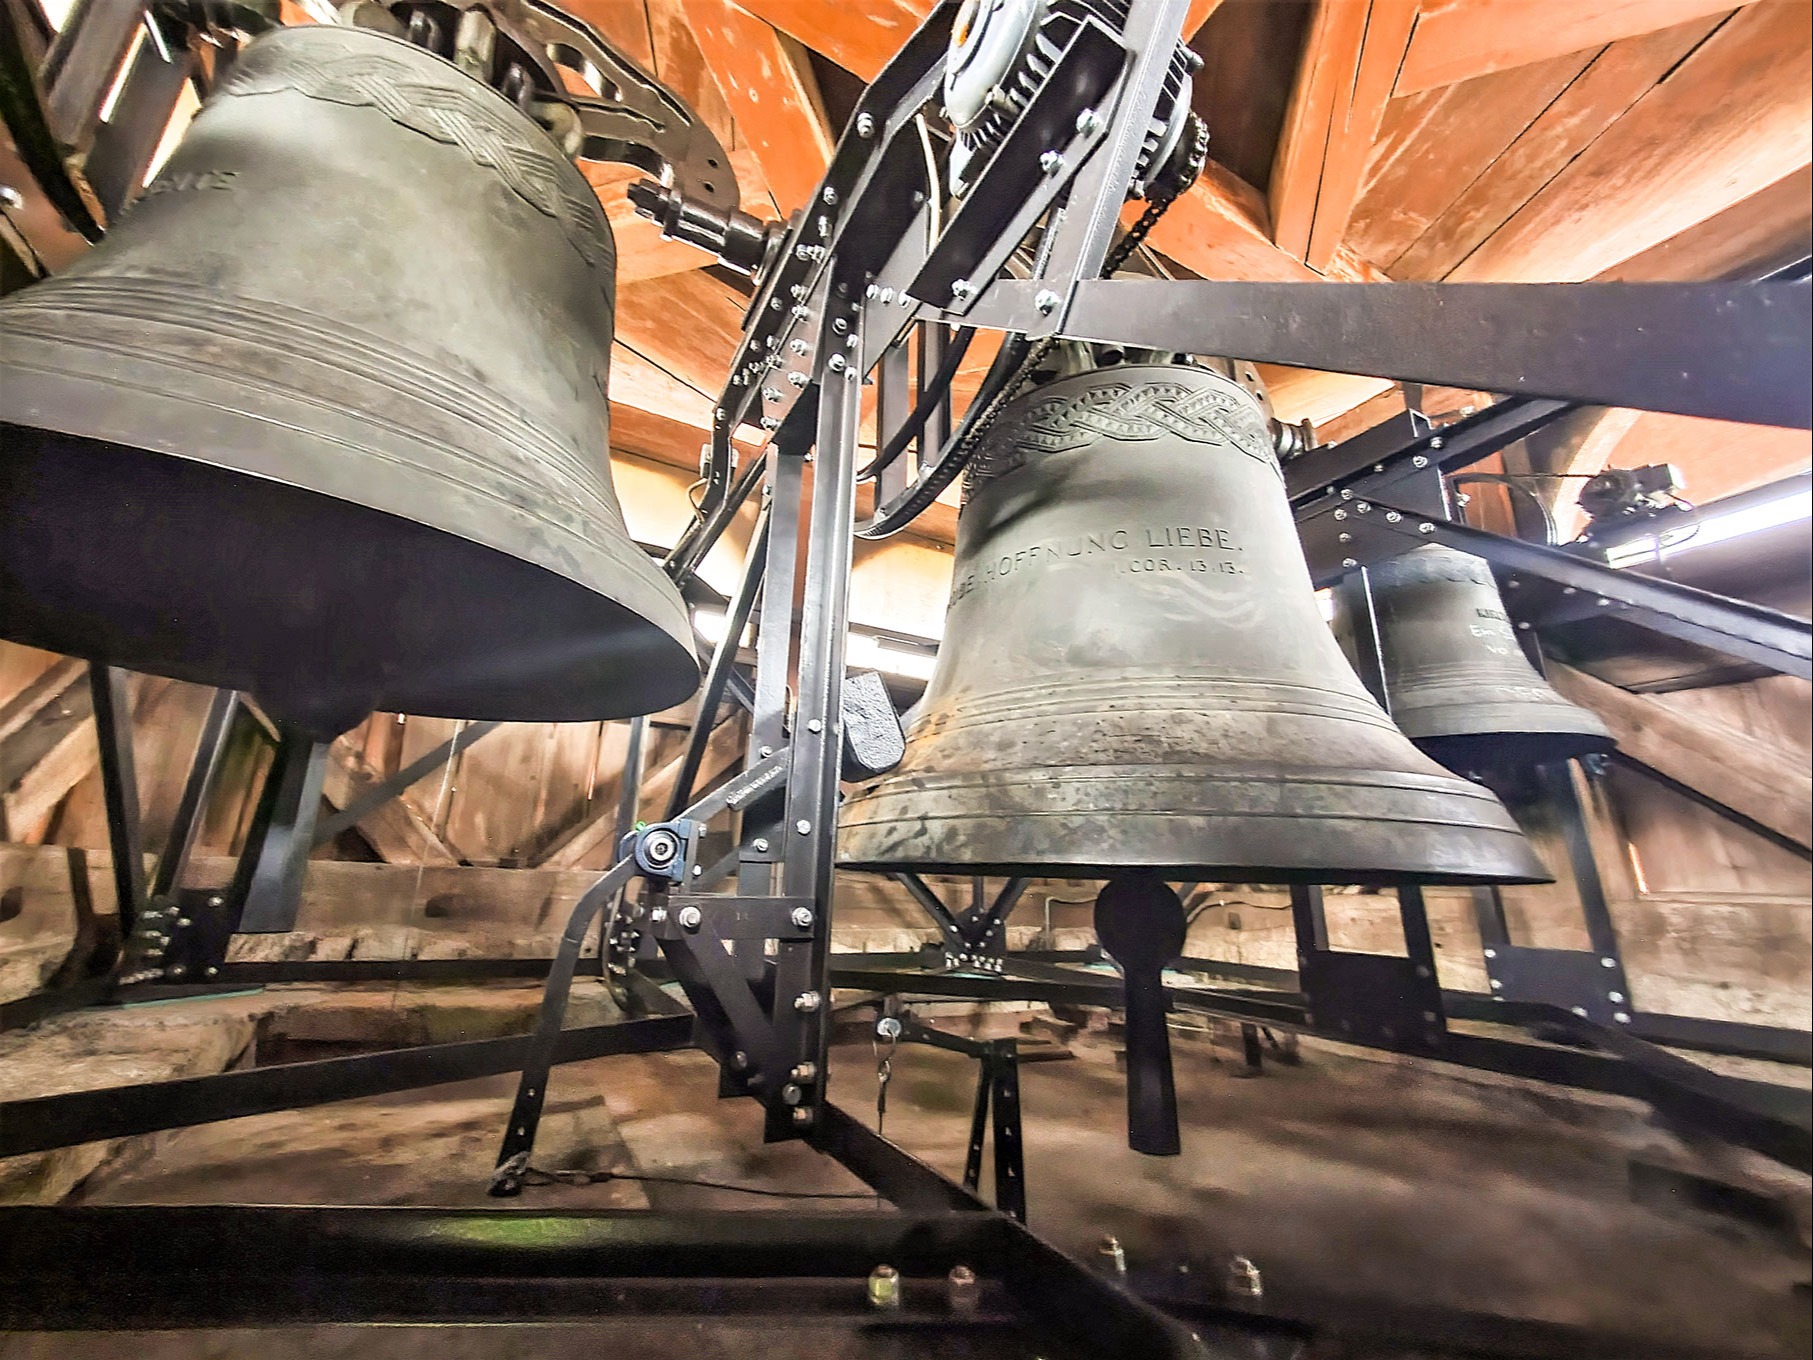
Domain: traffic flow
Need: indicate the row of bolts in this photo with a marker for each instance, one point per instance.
(963, 1291)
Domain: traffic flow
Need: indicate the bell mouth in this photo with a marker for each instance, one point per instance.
(325, 608)
(1468, 753)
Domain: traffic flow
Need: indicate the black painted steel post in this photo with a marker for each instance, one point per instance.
(119, 788)
(802, 980)
(210, 747)
(268, 887)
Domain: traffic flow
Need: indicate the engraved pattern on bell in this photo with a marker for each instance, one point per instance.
(1135, 674)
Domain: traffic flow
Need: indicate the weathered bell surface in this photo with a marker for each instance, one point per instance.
(1135, 674)
(1458, 683)
(323, 417)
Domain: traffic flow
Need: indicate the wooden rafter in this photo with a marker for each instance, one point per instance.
(1457, 40)
(1733, 118)
(1221, 229)
(1350, 63)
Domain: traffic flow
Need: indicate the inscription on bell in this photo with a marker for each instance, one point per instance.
(1125, 549)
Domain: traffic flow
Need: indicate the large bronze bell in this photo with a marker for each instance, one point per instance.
(1135, 675)
(1458, 683)
(323, 417)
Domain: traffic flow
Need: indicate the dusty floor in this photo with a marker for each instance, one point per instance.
(1344, 1176)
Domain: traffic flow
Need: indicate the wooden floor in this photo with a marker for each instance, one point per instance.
(1343, 1176)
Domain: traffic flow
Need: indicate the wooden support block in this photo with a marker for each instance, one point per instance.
(1768, 785)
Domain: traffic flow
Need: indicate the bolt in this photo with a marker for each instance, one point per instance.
(830, 197)
(887, 296)
(802, 918)
(217, 901)
(1419, 461)
(760, 845)
(963, 1292)
(1491, 953)
(802, 1116)
(791, 1094)
(1344, 537)
(771, 394)
(184, 921)
(804, 1072)
(1350, 562)
(1622, 1017)
(1523, 627)
(806, 1002)
(212, 972)
(1392, 517)
(884, 1287)
(690, 918)
(739, 1060)
(1346, 494)
(797, 379)
(1616, 998)
(871, 291)
(1437, 442)
(1052, 162)
(698, 871)
(865, 125)
(1425, 528)
(1364, 507)
(840, 325)
(1497, 986)
(1244, 1279)
(1606, 961)
(1113, 1257)
(803, 826)
(1088, 121)
(11, 197)
(178, 971)
(836, 363)
(771, 422)
(1602, 602)
(963, 290)
(797, 345)
(766, 751)
(1046, 301)
(888, 1027)
(1340, 514)
(815, 726)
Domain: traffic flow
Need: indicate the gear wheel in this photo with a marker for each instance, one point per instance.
(1003, 51)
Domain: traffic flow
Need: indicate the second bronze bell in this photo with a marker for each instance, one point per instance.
(1135, 675)
(323, 417)
(1457, 680)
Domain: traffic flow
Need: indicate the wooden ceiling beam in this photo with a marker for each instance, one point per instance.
(1730, 120)
(1457, 40)
(861, 38)
(1221, 229)
(1606, 87)
(767, 82)
(1350, 63)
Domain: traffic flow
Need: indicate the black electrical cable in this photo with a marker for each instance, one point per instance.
(934, 393)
